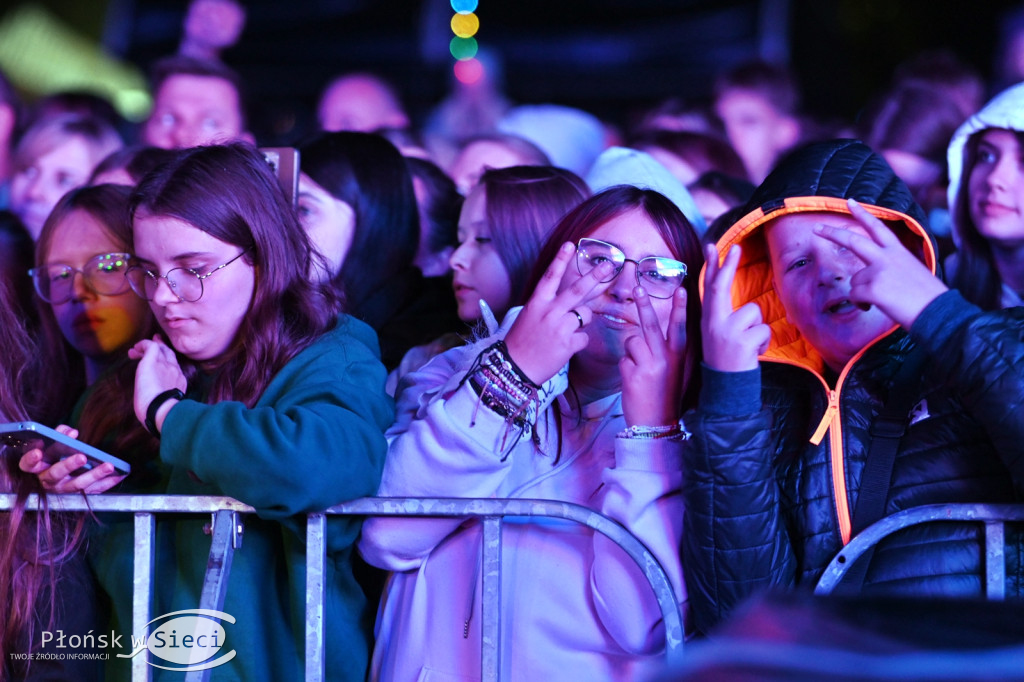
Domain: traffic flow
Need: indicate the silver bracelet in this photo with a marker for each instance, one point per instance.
(652, 432)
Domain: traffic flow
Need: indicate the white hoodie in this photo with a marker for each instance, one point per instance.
(574, 605)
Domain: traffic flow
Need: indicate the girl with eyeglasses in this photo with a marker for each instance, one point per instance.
(576, 398)
(258, 388)
(81, 260)
(89, 319)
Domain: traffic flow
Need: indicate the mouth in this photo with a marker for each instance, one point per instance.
(994, 207)
(613, 320)
(175, 322)
(844, 306)
(86, 320)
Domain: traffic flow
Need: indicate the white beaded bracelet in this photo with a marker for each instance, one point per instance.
(652, 432)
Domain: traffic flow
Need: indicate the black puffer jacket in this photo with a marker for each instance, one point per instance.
(774, 470)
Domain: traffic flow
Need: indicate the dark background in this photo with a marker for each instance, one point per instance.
(610, 57)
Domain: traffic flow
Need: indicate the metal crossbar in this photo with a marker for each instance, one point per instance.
(993, 516)
(227, 529)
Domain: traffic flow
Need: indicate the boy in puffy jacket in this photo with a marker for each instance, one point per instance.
(812, 302)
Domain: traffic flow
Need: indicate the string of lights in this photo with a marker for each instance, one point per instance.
(465, 25)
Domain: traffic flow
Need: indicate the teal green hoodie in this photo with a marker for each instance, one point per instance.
(314, 439)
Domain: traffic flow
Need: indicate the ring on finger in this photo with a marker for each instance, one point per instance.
(578, 317)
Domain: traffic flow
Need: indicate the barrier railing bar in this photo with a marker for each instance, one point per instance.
(526, 507)
(316, 562)
(995, 561)
(994, 516)
(142, 586)
(374, 506)
(490, 606)
(226, 533)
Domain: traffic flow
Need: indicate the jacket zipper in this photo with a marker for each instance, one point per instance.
(831, 422)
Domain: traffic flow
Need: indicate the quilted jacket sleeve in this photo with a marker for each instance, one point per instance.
(734, 537)
(982, 354)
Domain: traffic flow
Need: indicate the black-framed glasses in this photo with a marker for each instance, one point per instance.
(185, 283)
(102, 274)
(659, 276)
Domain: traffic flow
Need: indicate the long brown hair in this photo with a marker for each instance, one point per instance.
(32, 545)
(231, 193)
(523, 205)
(63, 374)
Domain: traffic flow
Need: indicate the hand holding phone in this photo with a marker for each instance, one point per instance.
(94, 470)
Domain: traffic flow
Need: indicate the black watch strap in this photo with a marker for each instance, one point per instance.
(174, 393)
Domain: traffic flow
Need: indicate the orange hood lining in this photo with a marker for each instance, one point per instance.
(753, 280)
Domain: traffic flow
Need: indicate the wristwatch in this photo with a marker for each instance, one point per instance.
(154, 406)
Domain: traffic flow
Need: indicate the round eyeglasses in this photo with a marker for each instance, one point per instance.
(185, 283)
(103, 274)
(659, 276)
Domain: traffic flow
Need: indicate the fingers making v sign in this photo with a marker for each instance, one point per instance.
(733, 339)
(551, 327)
(653, 366)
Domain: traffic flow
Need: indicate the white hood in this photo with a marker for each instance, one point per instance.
(1005, 110)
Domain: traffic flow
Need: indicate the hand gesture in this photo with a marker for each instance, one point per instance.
(733, 339)
(158, 371)
(59, 477)
(652, 368)
(893, 278)
(550, 328)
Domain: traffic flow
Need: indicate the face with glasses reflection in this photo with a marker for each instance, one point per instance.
(96, 311)
(204, 328)
(634, 237)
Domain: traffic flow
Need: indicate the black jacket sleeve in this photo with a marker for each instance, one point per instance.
(734, 536)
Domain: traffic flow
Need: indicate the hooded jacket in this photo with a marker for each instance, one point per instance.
(773, 474)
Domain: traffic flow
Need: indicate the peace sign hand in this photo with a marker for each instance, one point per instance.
(653, 367)
(733, 339)
(893, 278)
(550, 328)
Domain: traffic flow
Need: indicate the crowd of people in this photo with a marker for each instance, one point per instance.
(694, 326)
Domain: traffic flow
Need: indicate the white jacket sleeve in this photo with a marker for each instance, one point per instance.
(643, 493)
(445, 443)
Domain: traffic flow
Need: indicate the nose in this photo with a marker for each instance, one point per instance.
(621, 288)
(458, 259)
(34, 190)
(184, 135)
(831, 270)
(164, 295)
(1001, 175)
(80, 291)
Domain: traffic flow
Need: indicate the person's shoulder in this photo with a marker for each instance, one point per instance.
(349, 340)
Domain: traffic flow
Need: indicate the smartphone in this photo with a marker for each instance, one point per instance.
(285, 162)
(25, 436)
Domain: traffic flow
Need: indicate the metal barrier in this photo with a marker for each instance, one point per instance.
(993, 516)
(227, 530)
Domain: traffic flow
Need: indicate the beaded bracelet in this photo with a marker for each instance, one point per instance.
(674, 431)
(504, 388)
